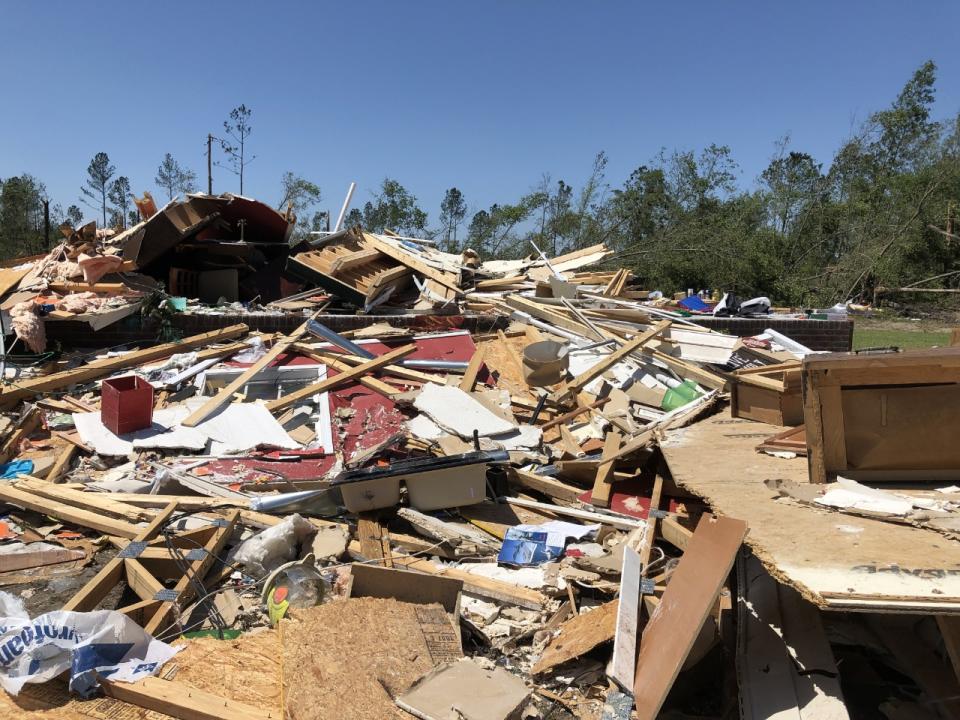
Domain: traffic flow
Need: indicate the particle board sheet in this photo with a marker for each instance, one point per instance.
(348, 659)
(837, 561)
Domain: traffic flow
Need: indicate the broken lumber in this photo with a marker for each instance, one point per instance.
(469, 378)
(68, 513)
(579, 410)
(226, 394)
(342, 378)
(551, 487)
(474, 584)
(674, 625)
(603, 484)
(617, 521)
(578, 636)
(182, 701)
(571, 388)
(99, 368)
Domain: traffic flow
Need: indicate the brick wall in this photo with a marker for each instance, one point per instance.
(133, 330)
(832, 335)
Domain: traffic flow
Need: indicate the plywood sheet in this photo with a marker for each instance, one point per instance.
(836, 561)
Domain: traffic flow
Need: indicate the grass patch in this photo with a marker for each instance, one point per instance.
(905, 338)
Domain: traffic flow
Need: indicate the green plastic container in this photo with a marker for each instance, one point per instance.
(679, 396)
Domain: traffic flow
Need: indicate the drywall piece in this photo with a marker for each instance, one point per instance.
(457, 412)
(785, 667)
(836, 561)
(423, 428)
(850, 495)
(524, 437)
(675, 624)
(465, 689)
(237, 428)
(623, 663)
(165, 432)
(244, 426)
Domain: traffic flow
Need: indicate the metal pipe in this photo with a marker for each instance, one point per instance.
(449, 365)
(322, 331)
(343, 208)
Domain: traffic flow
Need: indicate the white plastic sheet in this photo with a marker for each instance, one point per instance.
(104, 642)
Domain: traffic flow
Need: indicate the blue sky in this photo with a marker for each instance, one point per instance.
(487, 96)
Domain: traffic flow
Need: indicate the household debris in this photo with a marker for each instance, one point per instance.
(451, 487)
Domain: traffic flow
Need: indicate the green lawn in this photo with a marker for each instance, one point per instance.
(908, 338)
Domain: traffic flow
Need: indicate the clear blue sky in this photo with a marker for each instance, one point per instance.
(487, 96)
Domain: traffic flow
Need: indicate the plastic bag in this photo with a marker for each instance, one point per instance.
(268, 550)
(103, 642)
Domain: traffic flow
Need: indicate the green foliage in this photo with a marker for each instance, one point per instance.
(238, 130)
(21, 216)
(174, 178)
(393, 208)
(453, 209)
(119, 195)
(301, 195)
(96, 186)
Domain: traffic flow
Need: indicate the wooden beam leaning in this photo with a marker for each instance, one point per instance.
(184, 589)
(602, 485)
(226, 394)
(94, 591)
(675, 624)
(343, 378)
(571, 388)
(337, 362)
(99, 368)
(470, 376)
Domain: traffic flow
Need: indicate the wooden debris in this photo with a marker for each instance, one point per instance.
(602, 485)
(578, 636)
(99, 368)
(674, 626)
(340, 379)
(182, 701)
(226, 394)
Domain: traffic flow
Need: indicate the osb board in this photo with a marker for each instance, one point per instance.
(500, 360)
(837, 561)
(51, 701)
(352, 656)
(339, 660)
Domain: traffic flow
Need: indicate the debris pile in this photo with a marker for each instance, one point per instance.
(553, 516)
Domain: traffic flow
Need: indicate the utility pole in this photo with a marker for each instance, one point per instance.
(46, 223)
(209, 164)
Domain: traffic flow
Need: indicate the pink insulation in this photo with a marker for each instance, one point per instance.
(28, 326)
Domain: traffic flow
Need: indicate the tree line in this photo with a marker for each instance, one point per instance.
(880, 214)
